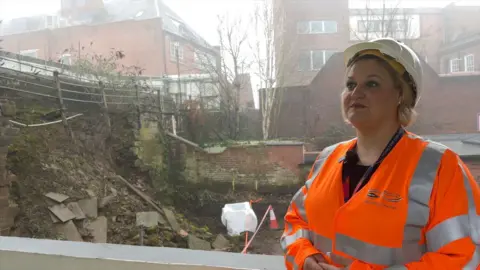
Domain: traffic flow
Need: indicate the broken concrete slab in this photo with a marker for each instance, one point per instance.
(148, 219)
(172, 220)
(59, 198)
(221, 243)
(197, 243)
(69, 230)
(54, 218)
(76, 210)
(62, 212)
(89, 207)
(98, 229)
(90, 193)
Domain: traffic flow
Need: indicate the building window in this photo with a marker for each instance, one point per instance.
(30, 53)
(469, 63)
(313, 60)
(176, 51)
(316, 27)
(455, 65)
(379, 26)
(66, 59)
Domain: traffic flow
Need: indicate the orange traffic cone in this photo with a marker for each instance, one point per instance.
(273, 220)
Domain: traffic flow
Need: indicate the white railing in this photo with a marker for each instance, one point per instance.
(28, 254)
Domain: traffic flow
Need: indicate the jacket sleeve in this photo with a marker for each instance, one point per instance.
(452, 235)
(296, 242)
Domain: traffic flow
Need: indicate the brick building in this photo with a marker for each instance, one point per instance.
(308, 32)
(150, 35)
(446, 39)
(449, 104)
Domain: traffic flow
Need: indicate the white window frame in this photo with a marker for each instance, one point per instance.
(469, 63)
(324, 52)
(54, 22)
(310, 30)
(31, 52)
(175, 46)
(454, 65)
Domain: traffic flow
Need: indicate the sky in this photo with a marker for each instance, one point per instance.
(201, 15)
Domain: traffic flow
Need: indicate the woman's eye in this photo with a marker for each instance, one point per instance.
(351, 86)
(372, 84)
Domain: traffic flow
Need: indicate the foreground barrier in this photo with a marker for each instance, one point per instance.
(27, 254)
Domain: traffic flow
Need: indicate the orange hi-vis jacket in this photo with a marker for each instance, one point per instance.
(419, 210)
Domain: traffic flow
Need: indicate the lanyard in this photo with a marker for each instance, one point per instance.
(371, 170)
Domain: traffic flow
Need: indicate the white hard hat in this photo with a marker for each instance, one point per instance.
(400, 52)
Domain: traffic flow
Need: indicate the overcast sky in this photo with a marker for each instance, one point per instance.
(201, 15)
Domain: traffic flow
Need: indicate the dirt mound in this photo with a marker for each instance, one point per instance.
(44, 159)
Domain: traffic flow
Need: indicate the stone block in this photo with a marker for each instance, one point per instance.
(172, 220)
(221, 243)
(197, 243)
(76, 210)
(98, 229)
(149, 219)
(62, 212)
(89, 207)
(69, 231)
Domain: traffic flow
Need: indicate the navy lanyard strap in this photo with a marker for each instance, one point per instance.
(393, 141)
(371, 169)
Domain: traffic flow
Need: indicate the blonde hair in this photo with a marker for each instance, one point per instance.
(406, 113)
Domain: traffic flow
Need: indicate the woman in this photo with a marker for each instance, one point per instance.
(386, 199)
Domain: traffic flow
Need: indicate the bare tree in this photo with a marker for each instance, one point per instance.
(270, 56)
(226, 71)
(385, 21)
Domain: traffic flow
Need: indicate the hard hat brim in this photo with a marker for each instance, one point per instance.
(354, 49)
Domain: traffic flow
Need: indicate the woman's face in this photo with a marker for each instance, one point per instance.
(370, 97)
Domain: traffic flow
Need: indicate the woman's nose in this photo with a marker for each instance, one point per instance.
(358, 90)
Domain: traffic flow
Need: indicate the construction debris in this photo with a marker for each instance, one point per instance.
(69, 231)
(76, 210)
(62, 212)
(89, 207)
(59, 198)
(149, 219)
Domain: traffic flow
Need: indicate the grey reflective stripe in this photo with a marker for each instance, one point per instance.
(287, 240)
(419, 193)
(475, 261)
(375, 254)
(418, 213)
(473, 222)
(458, 227)
(448, 231)
(291, 260)
(397, 267)
(322, 243)
(318, 165)
(299, 201)
(473, 218)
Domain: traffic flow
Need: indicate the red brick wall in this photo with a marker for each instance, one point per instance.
(274, 165)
